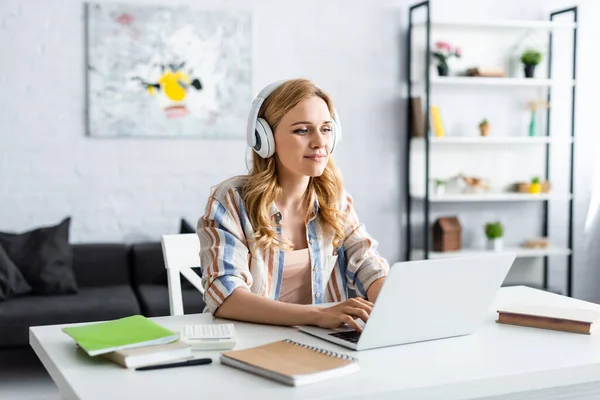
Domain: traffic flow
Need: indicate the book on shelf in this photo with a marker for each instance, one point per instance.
(291, 363)
(436, 122)
(417, 117)
(494, 72)
(150, 355)
(124, 333)
(574, 320)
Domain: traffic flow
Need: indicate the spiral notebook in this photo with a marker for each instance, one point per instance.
(291, 363)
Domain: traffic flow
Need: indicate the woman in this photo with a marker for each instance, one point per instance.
(285, 237)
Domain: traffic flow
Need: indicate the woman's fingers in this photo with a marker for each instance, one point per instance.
(365, 305)
(357, 313)
(351, 323)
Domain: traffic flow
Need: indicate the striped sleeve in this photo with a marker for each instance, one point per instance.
(223, 254)
(364, 264)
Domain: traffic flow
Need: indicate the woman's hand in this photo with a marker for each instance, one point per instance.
(344, 313)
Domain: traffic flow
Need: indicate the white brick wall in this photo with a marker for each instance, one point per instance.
(131, 190)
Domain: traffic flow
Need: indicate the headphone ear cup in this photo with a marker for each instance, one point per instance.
(265, 142)
(337, 134)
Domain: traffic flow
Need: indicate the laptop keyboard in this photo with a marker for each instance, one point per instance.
(349, 336)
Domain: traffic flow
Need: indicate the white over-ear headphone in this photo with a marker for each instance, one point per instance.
(259, 133)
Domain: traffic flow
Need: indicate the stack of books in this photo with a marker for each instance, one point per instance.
(131, 342)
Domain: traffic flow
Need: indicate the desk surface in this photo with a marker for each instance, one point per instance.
(496, 361)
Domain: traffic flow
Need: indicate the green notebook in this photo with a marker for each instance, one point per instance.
(119, 334)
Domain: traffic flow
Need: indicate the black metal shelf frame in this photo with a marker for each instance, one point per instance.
(426, 201)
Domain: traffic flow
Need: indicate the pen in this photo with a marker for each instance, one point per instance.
(194, 361)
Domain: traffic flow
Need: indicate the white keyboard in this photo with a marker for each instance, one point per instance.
(209, 336)
(209, 331)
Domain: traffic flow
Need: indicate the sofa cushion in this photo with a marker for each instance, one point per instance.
(101, 264)
(90, 304)
(44, 257)
(154, 300)
(12, 282)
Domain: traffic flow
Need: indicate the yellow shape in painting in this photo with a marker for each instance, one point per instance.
(170, 85)
(183, 77)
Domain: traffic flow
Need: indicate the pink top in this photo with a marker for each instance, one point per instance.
(296, 281)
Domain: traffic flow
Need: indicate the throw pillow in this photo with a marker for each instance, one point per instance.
(186, 227)
(44, 257)
(12, 283)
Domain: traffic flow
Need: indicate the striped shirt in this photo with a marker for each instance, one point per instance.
(230, 258)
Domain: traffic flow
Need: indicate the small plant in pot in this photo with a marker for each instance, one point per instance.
(484, 127)
(535, 186)
(442, 52)
(530, 58)
(494, 231)
(439, 186)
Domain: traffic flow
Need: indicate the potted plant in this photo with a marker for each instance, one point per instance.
(484, 127)
(536, 186)
(530, 58)
(442, 52)
(494, 231)
(439, 186)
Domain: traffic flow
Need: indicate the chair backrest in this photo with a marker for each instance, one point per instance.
(181, 253)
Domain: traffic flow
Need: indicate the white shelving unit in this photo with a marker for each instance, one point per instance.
(493, 140)
(491, 197)
(521, 252)
(458, 90)
(492, 81)
(493, 24)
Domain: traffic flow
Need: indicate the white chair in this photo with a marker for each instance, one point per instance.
(181, 253)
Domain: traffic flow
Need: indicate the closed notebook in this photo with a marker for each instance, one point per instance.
(550, 317)
(125, 333)
(291, 363)
(149, 355)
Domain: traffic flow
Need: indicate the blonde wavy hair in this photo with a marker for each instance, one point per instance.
(262, 186)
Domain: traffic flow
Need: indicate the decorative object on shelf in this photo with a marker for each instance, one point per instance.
(484, 127)
(436, 121)
(417, 117)
(474, 184)
(525, 187)
(490, 72)
(530, 58)
(540, 243)
(494, 231)
(442, 52)
(447, 233)
(533, 106)
(439, 186)
(535, 187)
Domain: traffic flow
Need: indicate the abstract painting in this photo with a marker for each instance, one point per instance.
(178, 72)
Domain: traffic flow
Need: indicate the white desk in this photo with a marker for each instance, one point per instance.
(499, 360)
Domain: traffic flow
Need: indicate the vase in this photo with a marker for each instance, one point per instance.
(535, 188)
(439, 190)
(484, 129)
(442, 70)
(529, 71)
(532, 124)
(496, 244)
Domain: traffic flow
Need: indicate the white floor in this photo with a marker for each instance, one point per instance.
(23, 377)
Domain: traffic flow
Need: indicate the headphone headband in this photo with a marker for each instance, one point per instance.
(255, 109)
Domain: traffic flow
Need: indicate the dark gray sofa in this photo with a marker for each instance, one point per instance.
(150, 282)
(115, 280)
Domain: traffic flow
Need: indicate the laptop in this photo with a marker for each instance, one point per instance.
(427, 300)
